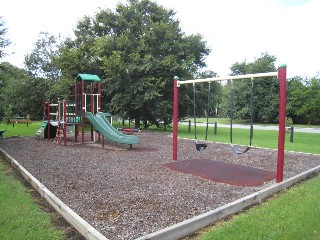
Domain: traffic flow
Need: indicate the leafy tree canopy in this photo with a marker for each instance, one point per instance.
(303, 100)
(265, 91)
(41, 62)
(15, 99)
(137, 49)
(4, 42)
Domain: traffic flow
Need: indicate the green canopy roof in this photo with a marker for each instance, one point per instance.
(88, 77)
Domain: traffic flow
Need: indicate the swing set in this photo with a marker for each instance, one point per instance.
(202, 146)
(281, 74)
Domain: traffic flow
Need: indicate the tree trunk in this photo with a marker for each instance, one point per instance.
(137, 120)
(145, 123)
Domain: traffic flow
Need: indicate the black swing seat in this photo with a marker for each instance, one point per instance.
(201, 146)
(238, 151)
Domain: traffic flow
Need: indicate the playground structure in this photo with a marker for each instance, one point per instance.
(281, 74)
(58, 116)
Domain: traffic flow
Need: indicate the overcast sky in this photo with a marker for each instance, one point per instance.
(234, 30)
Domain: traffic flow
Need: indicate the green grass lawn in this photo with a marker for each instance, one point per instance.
(237, 121)
(303, 142)
(292, 214)
(218, 120)
(20, 129)
(20, 217)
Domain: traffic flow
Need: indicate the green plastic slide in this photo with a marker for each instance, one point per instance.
(102, 125)
(42, 128)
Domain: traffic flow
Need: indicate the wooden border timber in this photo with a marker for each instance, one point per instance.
(83, 227)
(194, 224)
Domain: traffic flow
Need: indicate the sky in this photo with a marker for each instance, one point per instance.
(236, 31)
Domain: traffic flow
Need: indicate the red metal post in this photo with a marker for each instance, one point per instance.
(65, 122)
(282, 76)
(99, 107)
(91, 107)
(76, 129)
(175, 118)
(82, 109)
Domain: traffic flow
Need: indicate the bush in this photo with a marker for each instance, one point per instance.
(289, 121)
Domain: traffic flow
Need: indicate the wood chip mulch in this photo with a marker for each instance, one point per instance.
(126, 193)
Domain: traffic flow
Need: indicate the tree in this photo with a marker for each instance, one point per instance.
(15, 98)
(201, 95)
(296, 98)
(41, 62)
(265, 95)
(137, 49)
(312, 105)
(3, 41)
(304, 100)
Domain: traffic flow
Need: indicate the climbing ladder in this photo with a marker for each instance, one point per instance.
(57, 139)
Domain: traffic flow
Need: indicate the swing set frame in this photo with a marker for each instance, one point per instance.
(282, 77)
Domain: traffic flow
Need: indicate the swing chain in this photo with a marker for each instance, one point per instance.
(234, 148)
(201, 146)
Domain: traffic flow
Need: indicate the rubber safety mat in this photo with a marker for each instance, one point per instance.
(222, 172)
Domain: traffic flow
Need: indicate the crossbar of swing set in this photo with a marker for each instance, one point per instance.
(237, 77)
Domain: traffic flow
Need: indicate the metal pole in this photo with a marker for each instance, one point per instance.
(91, 108)
(175, 118)
(99, 106)
(237, 77)
(99, 97)
(76, 129)
(291, 133)
(65, 122)
(215, 128)
(83, 109)
(282, 76)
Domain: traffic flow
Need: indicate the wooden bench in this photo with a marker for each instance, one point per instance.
(20, 120)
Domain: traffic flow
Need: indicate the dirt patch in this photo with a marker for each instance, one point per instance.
(127, 193)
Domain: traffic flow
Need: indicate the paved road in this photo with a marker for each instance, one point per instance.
(296, 129)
